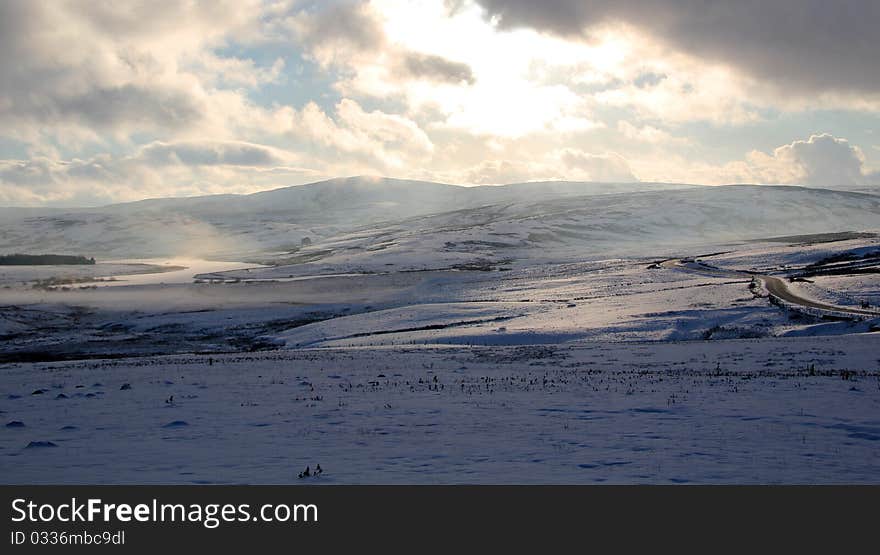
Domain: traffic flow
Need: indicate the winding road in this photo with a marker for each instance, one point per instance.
(777, 287)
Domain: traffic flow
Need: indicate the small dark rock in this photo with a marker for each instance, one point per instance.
(125, 387)
(37, 444)
(15, 424)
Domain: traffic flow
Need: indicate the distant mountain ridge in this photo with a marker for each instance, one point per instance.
(357, 215)
(407, 197)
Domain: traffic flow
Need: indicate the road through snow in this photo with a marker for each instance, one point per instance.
(777, 287)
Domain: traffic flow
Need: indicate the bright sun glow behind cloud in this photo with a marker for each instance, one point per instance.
(505, 99)
(463, 91)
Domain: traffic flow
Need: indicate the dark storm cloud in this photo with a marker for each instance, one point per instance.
(437, 68)
(813, 45)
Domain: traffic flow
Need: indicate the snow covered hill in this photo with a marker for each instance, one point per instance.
(384, 220)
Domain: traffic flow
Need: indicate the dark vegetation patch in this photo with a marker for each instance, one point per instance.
(733, 332)
(517, 354)
(816, 238)
(174, 338)
(844, 257)
(430, 327)
(40, 444)
(845, 263)
(19, 259)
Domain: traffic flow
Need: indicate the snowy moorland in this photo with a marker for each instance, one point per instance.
(747, 411)
(407, 332)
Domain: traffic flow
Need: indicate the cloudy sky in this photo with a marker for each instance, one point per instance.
(113, 101)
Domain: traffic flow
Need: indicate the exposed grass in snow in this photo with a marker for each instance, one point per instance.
(743, 411)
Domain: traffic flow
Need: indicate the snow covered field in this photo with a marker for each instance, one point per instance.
(734, 411)
(574, 340)
(606, 371)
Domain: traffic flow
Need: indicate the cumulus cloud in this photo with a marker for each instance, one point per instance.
(231, 71)
(650, 134)
(437, 68)
(242, 95)
(390, 140)
(500, 172)
(812, 45)
(334, 32)
(349, 140)
(565, 164)
(611, 168)
(648, 79)
(75, 71)
(80, 77)
(212, 153)
(104, 108)
(821, 160)
(350, 36)
(42, 180)
(158, 169)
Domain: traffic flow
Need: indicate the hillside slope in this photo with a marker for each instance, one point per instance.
(384, 220)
